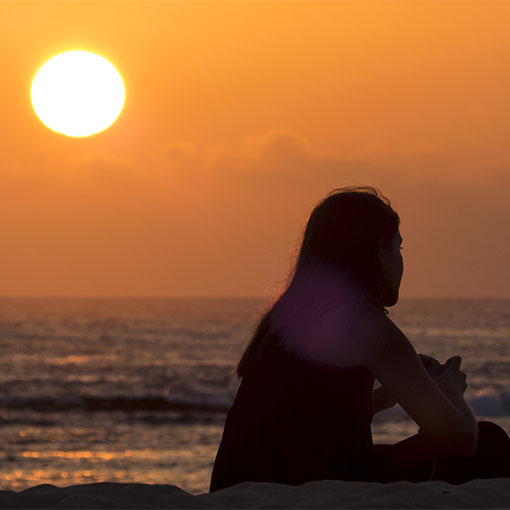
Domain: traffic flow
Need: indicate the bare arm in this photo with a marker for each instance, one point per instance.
(382, 400)
(439, 409)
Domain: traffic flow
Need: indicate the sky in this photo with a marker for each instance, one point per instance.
(239, 117)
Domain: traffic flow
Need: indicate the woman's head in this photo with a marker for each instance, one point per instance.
(354, 230)
(351, 244)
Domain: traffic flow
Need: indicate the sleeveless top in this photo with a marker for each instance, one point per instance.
(294, 421)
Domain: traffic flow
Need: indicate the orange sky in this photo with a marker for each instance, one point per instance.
(239, 117)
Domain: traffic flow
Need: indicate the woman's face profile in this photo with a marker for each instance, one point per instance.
(392, 267)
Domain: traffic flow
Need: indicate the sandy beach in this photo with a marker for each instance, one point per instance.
(321, 494)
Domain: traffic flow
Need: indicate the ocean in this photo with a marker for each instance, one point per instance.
(137, 390)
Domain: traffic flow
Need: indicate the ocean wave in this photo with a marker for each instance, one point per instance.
(491, 405)
(118, 403)
(495, 404)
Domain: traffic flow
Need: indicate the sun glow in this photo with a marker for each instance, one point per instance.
(77, 93)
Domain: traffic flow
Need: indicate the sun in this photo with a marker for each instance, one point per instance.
(78, 93)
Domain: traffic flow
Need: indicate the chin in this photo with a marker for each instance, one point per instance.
(391, 300)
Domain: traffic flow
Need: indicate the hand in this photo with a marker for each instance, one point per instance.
(428, 361)
(452, 376)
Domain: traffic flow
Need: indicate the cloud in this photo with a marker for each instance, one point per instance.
(231, 215)
(179, 149)
(260, 191)
(277, 145)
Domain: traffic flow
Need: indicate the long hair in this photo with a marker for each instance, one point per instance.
(342, 234)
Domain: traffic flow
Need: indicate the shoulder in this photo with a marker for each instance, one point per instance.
(373, 326)
(380, 340)
(335, 333)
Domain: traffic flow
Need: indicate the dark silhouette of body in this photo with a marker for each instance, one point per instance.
(306, 401)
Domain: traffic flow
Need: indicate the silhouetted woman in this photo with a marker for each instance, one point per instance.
(304, 408)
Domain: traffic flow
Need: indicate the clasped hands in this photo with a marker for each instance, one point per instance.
(383, 400)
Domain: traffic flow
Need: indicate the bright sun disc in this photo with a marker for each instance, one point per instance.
(78, 93)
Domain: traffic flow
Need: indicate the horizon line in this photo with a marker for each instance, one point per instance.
(91, 296)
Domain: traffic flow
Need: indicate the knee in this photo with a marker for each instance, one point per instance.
(489, 427)
(491, 433)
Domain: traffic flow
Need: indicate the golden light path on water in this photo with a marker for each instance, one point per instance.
(172, 456)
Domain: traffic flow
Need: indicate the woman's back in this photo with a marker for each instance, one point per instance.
(295, 420)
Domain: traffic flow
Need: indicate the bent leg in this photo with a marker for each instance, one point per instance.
(414, 460)
(410, 460)
(490, 460)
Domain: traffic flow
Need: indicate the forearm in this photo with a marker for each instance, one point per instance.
(467, 440)
(458, 400)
